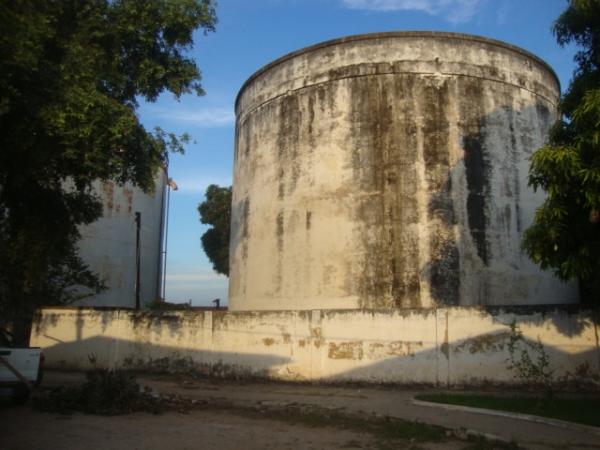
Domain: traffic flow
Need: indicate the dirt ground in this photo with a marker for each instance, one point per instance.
(201, 416)
(22, 428)
(205, 414)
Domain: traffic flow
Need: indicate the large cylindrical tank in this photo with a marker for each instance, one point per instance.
(109, 245)
(390, 170)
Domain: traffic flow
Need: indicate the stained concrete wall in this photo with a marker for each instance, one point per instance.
(108, 245)
(454, 345)
(390, 171)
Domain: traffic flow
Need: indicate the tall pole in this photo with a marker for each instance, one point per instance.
(170, 185)
(138, 223)
(164, 277)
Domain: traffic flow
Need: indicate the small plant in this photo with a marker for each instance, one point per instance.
(529, 360)
(106, 392)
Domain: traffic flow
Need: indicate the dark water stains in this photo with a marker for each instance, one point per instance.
(382, 158)
(444, 263)
(477, 174)
(268, 341)
(279, 231)
(346, 350)
(245, 217)
(308, 219)
(290, 120)
(365, 159)
(316, 336)
(108, 187)
(281, 185)
(445, 346)
(441, 205)
(544, 114)
(128, 194)
(444, 270)
(406, 287)
(311, 118)
(435, 104)
(514, 156)
(247, 138)
(507, 219)
(476, 162)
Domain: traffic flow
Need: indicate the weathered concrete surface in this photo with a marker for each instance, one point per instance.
(394, 402)
(108, 245)
(390, 171)
(206, 428)
(443, 346)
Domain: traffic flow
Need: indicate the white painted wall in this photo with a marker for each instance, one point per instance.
(108, 245)
(459, 345)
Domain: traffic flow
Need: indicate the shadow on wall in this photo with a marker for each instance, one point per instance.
(82, 338)
(476, 360)
(150, 357)
(47, 320)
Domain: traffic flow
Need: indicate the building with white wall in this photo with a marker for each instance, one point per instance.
(110, 245)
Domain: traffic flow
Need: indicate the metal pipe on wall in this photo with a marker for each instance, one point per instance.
(138, 224)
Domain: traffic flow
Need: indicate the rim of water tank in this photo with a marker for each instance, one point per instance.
(389, 34)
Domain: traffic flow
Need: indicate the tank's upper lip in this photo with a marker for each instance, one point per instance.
(363, 37)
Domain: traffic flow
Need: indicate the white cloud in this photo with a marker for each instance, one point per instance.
(214, 117)
(197, 184)
(195, 277)
(455, 11)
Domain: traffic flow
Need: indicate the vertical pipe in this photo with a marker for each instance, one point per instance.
(161, 245)
(164, 286)
(138, 223)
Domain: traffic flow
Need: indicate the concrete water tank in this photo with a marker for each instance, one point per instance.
(390, 170)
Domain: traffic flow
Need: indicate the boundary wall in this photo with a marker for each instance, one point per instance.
(444, 346)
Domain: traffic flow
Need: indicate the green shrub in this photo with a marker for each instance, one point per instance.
(106, 392)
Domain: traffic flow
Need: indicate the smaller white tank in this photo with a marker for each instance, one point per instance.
(108, 245)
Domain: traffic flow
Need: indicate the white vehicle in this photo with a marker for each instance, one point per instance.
(20, 368)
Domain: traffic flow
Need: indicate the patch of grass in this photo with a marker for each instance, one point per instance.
(390, 433)
(385, 429)
(583, 411)
(106, 392)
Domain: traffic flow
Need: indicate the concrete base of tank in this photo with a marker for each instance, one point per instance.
(444, 346)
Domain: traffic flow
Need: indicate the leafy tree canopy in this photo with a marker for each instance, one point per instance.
(71, 74)
(565, 235)
(216, 211)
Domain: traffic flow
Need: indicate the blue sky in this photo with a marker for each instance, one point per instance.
(250, 34)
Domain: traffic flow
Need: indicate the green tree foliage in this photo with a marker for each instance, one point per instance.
(216, 211)
(71, 75)
(565, 235)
